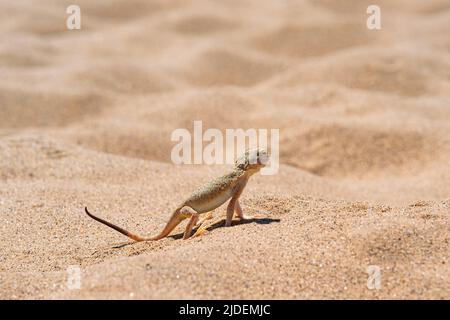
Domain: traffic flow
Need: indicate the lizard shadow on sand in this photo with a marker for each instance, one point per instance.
(221, 223)
(215, 225)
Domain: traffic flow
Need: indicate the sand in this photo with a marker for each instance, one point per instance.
(364, 180)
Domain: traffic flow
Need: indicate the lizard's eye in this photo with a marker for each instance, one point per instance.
(263, 158)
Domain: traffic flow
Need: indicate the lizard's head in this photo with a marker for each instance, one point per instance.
(253, 160)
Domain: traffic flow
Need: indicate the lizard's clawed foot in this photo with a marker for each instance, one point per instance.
(201, 230)
(208, 216)
(202, 224)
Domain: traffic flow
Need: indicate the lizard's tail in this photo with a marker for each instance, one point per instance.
(173, 222)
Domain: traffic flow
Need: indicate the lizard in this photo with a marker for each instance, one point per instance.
(207, 198)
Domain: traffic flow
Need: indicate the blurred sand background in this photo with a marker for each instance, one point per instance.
(364, 118)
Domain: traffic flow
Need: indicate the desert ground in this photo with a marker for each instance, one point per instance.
(86, 118)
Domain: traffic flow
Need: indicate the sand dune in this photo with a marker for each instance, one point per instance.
(220, 68)
(341, 151)
(303, 41)
(28, 108)
(86, 118)
(393, 72)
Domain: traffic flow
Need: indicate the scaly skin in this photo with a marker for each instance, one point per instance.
(207, 198)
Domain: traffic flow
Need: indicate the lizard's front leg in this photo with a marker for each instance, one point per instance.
(240, 213)
(232, 204)
(230, 212)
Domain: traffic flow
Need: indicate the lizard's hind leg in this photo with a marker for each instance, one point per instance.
(201, 221)
(202, 224)
(190, 226)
